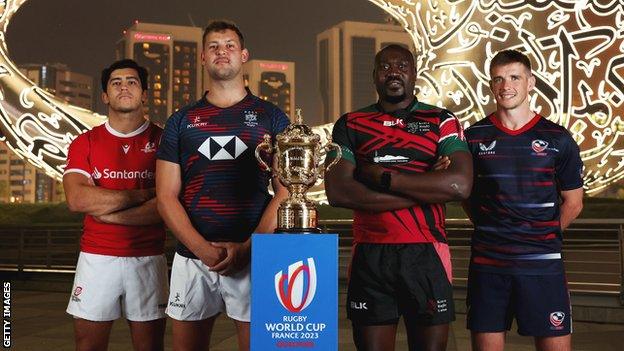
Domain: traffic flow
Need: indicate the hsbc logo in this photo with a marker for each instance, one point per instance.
(295, 290)
(124, 174)
(222, 148)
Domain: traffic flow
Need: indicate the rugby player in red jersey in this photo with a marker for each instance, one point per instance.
(109, 177)
(388, 176)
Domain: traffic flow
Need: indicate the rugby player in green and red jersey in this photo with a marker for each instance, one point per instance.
(387, 175)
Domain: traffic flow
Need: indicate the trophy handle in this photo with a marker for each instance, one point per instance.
(328, 146)
(266, 146)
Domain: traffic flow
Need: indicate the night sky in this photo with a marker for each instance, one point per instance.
(83, 33)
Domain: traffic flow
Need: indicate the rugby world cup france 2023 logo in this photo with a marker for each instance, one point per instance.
(295, 290)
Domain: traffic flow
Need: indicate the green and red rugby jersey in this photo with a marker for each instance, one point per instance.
(408, 141)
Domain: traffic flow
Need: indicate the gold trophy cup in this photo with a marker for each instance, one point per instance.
(298, 153)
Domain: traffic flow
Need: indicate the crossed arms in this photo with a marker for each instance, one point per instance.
(355, 185)
(126, 207)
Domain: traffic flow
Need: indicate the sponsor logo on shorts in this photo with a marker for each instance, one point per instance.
(556, 319)
(358, 305)
(177, 302)
(77, 291)
(437, 306)
(295, 290)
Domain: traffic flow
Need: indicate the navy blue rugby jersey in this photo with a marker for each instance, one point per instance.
(224, 190)
(518, 176)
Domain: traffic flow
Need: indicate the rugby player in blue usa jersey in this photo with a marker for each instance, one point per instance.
(527, 189)
(213, 194)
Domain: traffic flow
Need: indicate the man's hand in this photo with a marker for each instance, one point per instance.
(211, 255)
(369, 174)
(441, 164)
(237, 258)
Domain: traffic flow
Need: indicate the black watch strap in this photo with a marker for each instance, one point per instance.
(386, 179)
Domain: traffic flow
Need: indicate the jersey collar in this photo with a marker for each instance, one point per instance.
(136, 132)
(497, 123)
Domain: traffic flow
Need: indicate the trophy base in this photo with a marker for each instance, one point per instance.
(297, 231)
(297, 217)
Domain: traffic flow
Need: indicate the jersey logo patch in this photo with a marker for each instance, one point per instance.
(390, 159)
(251, 118)
(149, 147)
(222, 148)
(126, 148)
(397, 122)
(418, 127)
(490, 147)
(96, 174)
(539, 145)
(485, 149)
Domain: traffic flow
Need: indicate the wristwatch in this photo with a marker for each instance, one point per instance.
(386, 179)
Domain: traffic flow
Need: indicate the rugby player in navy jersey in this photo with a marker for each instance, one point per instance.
(527, 190)
(401, 261)
(212, 194)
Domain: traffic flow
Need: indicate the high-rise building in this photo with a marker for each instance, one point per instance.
(273, 81)
(59, 80)
(345, 60)
(172, 55)
(22, 182)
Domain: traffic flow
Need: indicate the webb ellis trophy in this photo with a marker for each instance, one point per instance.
(298, 151)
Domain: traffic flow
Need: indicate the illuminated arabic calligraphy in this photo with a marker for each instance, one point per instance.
(577, 48)
(34, 124)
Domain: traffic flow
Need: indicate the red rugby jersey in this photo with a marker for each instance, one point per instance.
(408, 141)
(113, 160)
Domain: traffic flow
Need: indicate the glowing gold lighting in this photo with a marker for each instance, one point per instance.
(577, 50)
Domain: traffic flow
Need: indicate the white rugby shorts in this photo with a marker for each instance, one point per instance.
(196, 293)
(108, 287)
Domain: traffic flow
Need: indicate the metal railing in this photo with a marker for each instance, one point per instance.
(592, 251)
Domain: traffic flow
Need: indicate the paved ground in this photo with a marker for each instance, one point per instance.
(40, 323)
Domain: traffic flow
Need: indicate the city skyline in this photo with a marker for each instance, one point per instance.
(289, 38)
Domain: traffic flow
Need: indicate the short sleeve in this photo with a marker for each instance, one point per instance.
(279, 122)
(340, 136)
(168, 149)
(78, 156)
(451, 135)
(569, 166)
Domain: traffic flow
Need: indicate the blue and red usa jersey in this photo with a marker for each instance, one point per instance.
(118, 161)
(518, 177)
(408, 141)
(224, 190)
